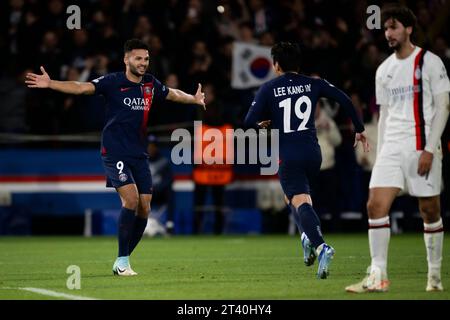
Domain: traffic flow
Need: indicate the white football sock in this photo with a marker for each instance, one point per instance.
(379, 236)
(433, 235)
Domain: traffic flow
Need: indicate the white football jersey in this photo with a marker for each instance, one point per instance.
(410, 108)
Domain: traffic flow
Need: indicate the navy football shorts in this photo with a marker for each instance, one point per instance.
(298, 175)
(121, 171)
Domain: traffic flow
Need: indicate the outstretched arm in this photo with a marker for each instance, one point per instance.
(253, 118)
(257, 112)
(180, 96)
(72, 87)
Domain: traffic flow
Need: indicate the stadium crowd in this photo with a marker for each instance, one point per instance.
(191, 41)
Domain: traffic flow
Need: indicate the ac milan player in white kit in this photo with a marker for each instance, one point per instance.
(412, 89)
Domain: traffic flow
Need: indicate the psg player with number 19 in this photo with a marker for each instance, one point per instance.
(288, 103)
(129, 96)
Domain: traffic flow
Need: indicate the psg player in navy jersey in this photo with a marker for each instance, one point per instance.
(129, 96)
(288, 103)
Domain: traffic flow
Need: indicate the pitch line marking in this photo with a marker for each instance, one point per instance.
(51, 293)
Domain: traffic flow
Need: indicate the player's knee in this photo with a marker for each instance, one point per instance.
(143, 210)
(300, 199)
(375, 208)
(430, 208)
(130, 202)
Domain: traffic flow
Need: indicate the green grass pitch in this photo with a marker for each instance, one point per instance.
(208, 267)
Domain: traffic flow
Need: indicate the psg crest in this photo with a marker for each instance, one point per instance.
(123, 177)
(147, 90)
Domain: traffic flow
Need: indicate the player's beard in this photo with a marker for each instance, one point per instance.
(135, 71)
(398, 43)
(395, 46)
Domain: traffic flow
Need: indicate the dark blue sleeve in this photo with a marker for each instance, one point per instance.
(327, 90)
(160, 90)
(258, 110)
(103, 84)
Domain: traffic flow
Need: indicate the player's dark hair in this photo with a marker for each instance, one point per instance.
(400, 13)
(287, 55)
(135, 44)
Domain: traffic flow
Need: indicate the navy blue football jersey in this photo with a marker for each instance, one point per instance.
(289, 101)
(127, 108)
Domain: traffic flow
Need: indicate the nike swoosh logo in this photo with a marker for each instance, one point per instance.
(121, 271)
(124, 89)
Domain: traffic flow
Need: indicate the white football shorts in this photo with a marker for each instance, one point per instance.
(394, 167)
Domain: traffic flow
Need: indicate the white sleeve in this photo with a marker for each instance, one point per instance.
(439, 82)
(441, 102)
(381, 126)
(381, 94)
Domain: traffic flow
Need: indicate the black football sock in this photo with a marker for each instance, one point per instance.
(126, 221)
(138, 231)
(311, 224)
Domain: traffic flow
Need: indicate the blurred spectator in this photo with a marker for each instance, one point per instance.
(143, 27)
(71, 113)
(324, 49)
(15, 18)
(169, 112)
(100, 66)
(50, 55)
(211, 177)
(440, 48)
(92, 110)
(24, 33)
(246, 33)
(55, 18)
(108, 39)
(430, 22)
(196, 24)
(348, 179)
(329, 137)
(197, 64)
(221, 66)
(261, 16)
(364, 79)
(43, 111)
(13, 103)
(228, 21)
(84, 113)
(159, 62)
(162, 185)
(267, 39)
(366, 160)
(29, 33)
(292, 15)
(131, 11)
(80, 48)
(172, 81)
